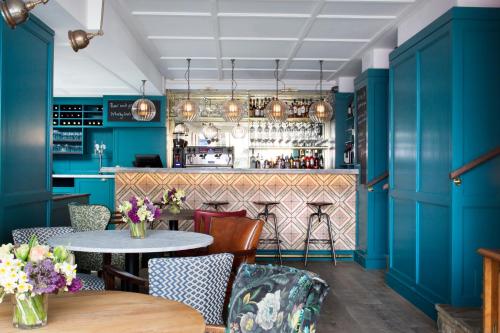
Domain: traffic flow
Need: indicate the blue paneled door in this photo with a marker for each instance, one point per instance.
(26, 94)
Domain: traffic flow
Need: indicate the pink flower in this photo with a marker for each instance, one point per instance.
(38, 253)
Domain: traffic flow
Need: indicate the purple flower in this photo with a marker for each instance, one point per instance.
(132, 215)
(76, 285)
(157, 213)
(43, 277)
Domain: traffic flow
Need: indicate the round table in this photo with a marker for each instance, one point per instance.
(112, 311)
(119, 241)
(173, 218)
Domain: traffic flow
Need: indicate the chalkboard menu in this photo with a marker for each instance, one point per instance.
(361, 132)
(121, 111)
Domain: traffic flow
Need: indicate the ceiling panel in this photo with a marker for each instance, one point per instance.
(175, 26)
(269, 64)
(328, 50)
(167, 6)
(346, 28)
(182, 63)
(250, 75)
(266, 6)
(364, 8)
(255, 49)
(186, 48)
(195, 74)
(260, 27)
(302, 76)
(314, 64)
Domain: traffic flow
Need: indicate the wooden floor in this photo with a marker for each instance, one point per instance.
(359, 302)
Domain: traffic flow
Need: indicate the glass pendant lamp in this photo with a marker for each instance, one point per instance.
(187, 110)
(210, 132)
(276, 110)
(232, 110)
(321, 111)
(143, 109)
(238, 131)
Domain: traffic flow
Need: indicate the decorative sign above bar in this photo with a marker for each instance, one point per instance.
(117, 111)
(361, 132)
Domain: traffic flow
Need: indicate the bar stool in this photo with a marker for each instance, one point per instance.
(215, 204)
(265, 214)
(320, 214)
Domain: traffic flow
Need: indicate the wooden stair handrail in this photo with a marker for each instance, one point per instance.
(474, 163)
(377, 180)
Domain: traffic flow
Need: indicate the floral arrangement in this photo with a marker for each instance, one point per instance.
(174, 197)
(136, 212)
(31, 270)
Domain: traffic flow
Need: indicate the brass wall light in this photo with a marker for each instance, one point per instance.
(321, 111)
(80, 39)
(15, 12)
(143, 109)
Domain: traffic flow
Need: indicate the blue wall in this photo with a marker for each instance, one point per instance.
(444, 112)
(342, 102)
(371, 247)
(26, 94)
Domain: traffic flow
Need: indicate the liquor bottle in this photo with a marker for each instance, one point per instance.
(302, 108)
(253, 161)
(250, 108)
(287, 162)
(257, 162)
(316, 160)
(321, 161)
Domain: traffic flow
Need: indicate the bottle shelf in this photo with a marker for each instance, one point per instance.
(67, 141)
(288, 148)
(67, 153)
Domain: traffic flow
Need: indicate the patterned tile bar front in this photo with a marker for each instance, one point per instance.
(292, 190)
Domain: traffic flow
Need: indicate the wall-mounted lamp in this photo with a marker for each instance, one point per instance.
(15, 12)
(80, 39)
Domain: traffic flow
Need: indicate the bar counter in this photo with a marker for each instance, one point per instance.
(242, 187)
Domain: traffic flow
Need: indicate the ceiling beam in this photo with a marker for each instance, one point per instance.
(306, 28)
(214, 9)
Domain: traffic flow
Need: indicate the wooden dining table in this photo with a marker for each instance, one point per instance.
(112, 311)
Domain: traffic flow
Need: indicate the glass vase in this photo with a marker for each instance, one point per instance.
(30, 312)
(174, 209)
(137, 230)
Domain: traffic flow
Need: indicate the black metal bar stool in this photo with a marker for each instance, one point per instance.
(266, 214)
(320, 214)
(215, 204)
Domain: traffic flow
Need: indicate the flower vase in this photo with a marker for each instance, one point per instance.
(138, 230)
(174, 209)
(30, 311)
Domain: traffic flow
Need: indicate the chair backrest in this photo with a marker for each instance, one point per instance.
(277, 298)
(89, 217)
(23, 236)
(236, 235)
(199, 282)
(202, 218)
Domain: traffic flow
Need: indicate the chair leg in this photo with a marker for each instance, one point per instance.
(309, 227)
(332, 242)
(276, 233)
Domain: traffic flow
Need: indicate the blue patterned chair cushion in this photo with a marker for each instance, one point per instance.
(275, 299)
(199, 282)
(23, 236)
(90, 218)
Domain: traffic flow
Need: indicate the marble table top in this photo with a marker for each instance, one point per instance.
(119, 241)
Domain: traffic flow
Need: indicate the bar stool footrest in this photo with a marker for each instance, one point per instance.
(270, 240)
(319, 240)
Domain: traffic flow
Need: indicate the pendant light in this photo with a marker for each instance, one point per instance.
(276, 110)
(232, 110)
(143, 109)
(181, 129)
(15, 12)
(210, 132)
(187, 110)
(80, 39)
(321, 111)
(238, 131)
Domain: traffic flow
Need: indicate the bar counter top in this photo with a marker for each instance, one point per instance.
(231, 170)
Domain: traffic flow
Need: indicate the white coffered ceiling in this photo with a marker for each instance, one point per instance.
(153, 38)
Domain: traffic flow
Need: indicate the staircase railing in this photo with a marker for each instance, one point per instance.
(376, 180)
(455, 175)
(491, 290)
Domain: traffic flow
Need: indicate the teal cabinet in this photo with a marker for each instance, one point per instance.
(129, 141)
(371, 90)
(342, 126)
(444, 113)
(26, 60)
(101, 190)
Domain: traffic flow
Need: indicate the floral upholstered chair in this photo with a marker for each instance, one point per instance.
(23, 236)
(91, 218)
(275, 299)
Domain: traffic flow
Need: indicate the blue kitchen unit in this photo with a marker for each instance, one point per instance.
(343, 126)
(371, 121)
(26, 56)
(444, 113)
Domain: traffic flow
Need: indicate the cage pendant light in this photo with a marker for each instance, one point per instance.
(143, 109)
(232, 110)
(187, 110)
(276, 110)
(321, 111)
